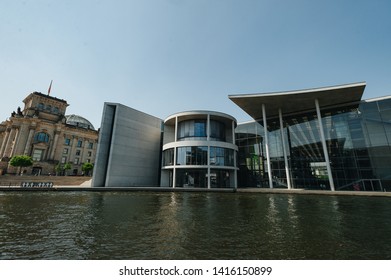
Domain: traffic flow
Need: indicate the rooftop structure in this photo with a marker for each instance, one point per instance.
(298, 101)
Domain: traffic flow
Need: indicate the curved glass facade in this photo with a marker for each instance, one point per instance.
(199, 151)
(168, 157)
(191, 177)
(217, 131)
(221, 156)
(193, 155)
(191, 130)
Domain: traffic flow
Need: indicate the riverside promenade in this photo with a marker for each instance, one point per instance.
(81, 183)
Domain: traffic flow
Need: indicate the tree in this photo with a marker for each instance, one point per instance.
(66, 167)
(87, 167)
(21, 161)
(58, 169)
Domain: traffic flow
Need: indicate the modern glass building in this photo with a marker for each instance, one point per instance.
(326, 138)
(199, 150)
(322, 138)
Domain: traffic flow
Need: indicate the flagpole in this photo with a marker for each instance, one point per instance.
(50, 87)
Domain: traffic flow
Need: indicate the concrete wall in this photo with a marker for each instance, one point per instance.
(169, 134)
(103, 149)
(129, 148)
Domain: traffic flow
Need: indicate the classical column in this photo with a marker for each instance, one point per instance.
(28, 143)
(20, 142)
(71, 157)
(56, 133)
(14, 145)
(269, 168)
(7, 150)
(3, 145)
(288, 177)
(83, 151)
(323, 139)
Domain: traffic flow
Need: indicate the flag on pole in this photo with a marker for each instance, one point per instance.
(50, 87)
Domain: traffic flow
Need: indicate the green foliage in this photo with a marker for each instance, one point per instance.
(21, 161)
(87, 167)
(67, 166)
(61, 169)
(58, 168)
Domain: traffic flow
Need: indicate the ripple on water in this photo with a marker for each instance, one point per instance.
(84, 225)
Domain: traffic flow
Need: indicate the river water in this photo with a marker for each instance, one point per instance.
(146, 225)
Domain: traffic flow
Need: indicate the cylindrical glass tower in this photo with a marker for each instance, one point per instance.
(199, 150)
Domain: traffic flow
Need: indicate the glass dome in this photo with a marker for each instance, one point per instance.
(78, 121)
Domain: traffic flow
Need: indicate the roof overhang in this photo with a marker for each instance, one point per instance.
(298, 101)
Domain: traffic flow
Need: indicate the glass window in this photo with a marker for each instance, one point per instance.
(168, 157)
(221, 156)
(67, 141)
(368, 107)
(78, 152)
(41, 137)
(357, 141)
(76, 161)
(220, 178)
(37, 155)
(194, 129)
(65, 151)
(199, 129)
(386, 116)
(63, 159)
(376, 134)
(217, 130)
(193, 178)
(192, 155)
(79, 143)
(384, 104)
(90, 145)
(41, 106)
(89, 153)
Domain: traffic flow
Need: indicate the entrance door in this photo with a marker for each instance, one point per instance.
(36, 171)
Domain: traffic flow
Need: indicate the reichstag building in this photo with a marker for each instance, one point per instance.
(43, 131)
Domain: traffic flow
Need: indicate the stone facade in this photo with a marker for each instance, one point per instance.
(43, 131)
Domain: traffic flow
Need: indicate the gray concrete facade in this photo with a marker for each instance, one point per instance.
(129, 148)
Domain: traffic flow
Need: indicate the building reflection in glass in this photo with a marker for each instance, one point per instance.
(358, 140)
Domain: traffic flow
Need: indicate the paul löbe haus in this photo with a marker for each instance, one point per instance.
(323, 138)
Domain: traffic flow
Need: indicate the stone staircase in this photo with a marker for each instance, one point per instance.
(15, 180)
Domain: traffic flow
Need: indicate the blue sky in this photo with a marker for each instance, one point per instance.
(166, 56)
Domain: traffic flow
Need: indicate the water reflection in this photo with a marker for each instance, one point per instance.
(77, 225)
